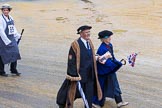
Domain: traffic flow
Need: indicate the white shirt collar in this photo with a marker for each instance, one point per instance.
(85, 42)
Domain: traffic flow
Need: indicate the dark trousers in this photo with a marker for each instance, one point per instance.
(61, 106)
(88, 89)
(12, 67)
(118, 99)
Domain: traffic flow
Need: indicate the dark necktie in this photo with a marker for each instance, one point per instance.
(87, 45)
(88, 48)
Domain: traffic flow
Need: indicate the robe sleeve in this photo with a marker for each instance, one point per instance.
(72, 67)
(115, 64)
(112, 52)
(113, 57)
(111, 65)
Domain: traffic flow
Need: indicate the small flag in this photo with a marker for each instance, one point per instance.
(132, 59)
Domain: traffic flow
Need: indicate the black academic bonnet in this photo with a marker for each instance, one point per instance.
(82, 28)
(104, 34)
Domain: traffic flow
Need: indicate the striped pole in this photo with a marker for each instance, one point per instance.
(82, 95)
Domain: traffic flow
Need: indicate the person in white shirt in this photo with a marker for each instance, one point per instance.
(9, 51)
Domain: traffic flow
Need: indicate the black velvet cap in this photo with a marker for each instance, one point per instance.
(82, 28)
(104, 34)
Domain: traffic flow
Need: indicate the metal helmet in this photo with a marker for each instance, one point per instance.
(6, 6)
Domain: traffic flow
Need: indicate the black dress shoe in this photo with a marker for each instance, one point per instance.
(17, 73)
(4, 75)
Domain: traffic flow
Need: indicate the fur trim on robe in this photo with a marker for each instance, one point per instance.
(73, 85)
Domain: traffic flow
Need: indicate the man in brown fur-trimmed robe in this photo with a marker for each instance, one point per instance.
(81, 67)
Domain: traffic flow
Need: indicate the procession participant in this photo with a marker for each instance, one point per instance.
(107, 72)
(81, 67)
(9, 52)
